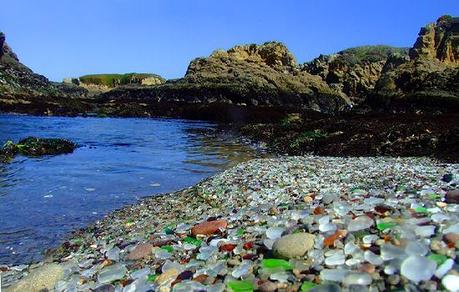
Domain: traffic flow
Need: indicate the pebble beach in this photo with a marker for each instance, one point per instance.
(303, 223)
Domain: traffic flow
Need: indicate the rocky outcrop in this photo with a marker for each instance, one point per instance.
(21, 90)
(430, 78)
(250, 75)
(354, 71)
(100, 83)
(259, 75)
(33, 147)
(438, 41)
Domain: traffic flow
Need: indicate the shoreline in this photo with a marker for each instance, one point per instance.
(151, 244)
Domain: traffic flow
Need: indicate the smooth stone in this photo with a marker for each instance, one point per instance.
(111, 273)
(373, 258)
(451, 282)
(141, 251)
(242, 270)
(416, 248)
(335, 275)
(357, 279)
(41, 279)
(335, 259)
(280, 276)
(274, 232)
(418, 268)
(444, 268)
(141, 274)
(293, 245)
(329, 287)
(187, 286)
(452, 229)
(390, 252)
(425, 231)
(208, 227)
(360, 223)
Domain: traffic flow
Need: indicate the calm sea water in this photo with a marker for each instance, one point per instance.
(118, 161)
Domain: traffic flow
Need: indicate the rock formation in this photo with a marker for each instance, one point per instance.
(354, 71)
(430, 77)
(100, 83)
(247, 75)
(22, 90)
(438, 41)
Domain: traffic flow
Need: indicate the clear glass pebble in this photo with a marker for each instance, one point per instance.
(335, 275)
(360, 223)
(357, 279)
(416, 248)
(274, 232)
(418, 268)
(242, 270)
(373, 258)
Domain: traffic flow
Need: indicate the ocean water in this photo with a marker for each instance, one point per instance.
(117, 162)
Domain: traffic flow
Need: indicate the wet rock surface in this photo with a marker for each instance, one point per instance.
(370, 134)
(33, 146)
(375, 223)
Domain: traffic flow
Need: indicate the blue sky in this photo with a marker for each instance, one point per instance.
(63, 38)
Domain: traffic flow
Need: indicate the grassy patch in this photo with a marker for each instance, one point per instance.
(112, 80)
(371, 54)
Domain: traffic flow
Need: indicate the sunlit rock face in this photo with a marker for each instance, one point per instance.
(431, 76)
(438, 41)
(354, 71)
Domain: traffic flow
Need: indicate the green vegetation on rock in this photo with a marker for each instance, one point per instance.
(32, 146)
(113, 80)
(369, 54)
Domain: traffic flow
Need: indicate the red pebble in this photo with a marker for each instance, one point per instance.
(248, 245)
(227, 247)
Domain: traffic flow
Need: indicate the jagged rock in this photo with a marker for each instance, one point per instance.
(431, 77)
(247, 75)
(438, 41)
(259, 75)
(354, 71)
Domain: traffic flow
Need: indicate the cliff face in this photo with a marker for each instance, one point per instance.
(355, 71)
(431, 76)
(438, 41)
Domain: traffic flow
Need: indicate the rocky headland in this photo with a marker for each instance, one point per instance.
(247, 79)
